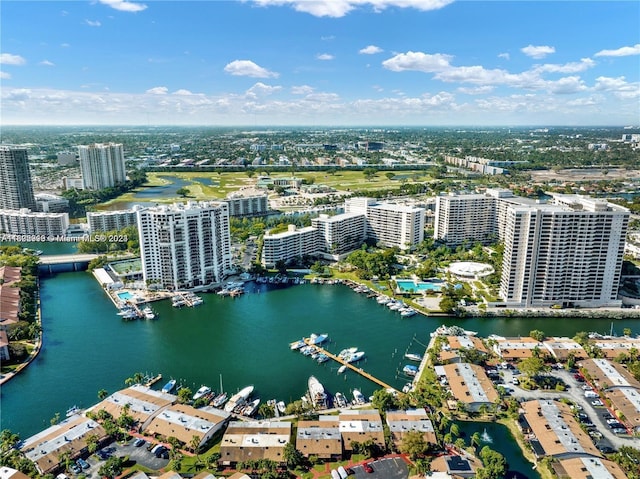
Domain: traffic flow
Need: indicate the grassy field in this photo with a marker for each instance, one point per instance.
(223, 183)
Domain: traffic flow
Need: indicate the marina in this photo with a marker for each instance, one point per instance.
(215, 334)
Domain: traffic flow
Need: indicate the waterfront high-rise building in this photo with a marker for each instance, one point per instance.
(567, 252)
(16, 190)
(102, 165)
(112, 220)
(185, 245)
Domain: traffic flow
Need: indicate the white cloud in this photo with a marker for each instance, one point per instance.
(47, 63)
(506, 56)
(370, 50)
(92, 23)
(124, 6)
(567, 85)
(261, 89)
(9, 59)
(619, 86)
(249, 69)
(620, 52)
(480, 90)
(4, 75)
(325, 56)
(301, 90)
(159, 90)
(572, 67)
(328, 38)
(182, 92)
(537, 52)
(340, 8)
(65, 45)
(418, 61)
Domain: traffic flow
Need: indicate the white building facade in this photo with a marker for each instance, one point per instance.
(112, 220)
(253, 205)
(288, 245)
(568, 252)
(26, 222)
(102, 165)
(185, 246)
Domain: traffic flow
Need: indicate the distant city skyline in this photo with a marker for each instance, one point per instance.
(320, 63)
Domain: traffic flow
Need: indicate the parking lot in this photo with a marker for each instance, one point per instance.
(389, 468)
(140, 455)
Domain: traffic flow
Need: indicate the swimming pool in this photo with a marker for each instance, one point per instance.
(125, 296)
(406, 285)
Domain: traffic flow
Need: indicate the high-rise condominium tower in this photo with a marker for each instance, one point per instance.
(102, 165)
(16, 190)
(185, 246)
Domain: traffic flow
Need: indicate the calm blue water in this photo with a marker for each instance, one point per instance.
(88, 347)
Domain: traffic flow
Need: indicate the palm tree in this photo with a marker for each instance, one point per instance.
(476, 439)
(194, 444)
(102, 394)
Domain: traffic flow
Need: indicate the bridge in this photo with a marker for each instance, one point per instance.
(67, 258)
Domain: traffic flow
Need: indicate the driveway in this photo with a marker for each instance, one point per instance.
(388, 468)
(575, 393)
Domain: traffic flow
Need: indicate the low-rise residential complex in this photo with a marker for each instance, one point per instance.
(247, 204)
(47, 447)
(254, 440)
(470, 386)
(112, 220)
(320, 438)
(29, 223)
(140, 402)
(401, 422)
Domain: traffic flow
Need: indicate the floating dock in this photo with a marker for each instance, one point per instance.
(350, 366)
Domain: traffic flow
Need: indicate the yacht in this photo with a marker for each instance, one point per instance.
(238, 398)
(318, 338)
(220, 399)
(345, 353)
(339, 400)
(357, 356)
(203, 391)
(410, 370)
(407, 312)
(413, 357)
(342, 369)
(317, 393)
(251, 408)
(148, 313)
(167, 388)
(358, 397)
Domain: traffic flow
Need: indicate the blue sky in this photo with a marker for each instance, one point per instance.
(320, 62)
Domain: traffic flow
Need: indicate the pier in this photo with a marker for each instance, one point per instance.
(350, 366)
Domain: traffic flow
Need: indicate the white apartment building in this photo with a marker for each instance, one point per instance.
(568, 252)
(251, 205)
(395, 225)
(289, 244)
(333, 237)
(102, 165)
(48, 203)
(112, 220)
(26, 222)
(340, 234)
(185, 245)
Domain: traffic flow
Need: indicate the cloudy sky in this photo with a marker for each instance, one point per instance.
(320, 62)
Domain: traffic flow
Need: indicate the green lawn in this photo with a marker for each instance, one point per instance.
(224, 183)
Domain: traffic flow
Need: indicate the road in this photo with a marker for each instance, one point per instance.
(575, 393)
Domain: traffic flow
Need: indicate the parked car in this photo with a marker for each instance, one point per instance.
(597, 402)
(367, 468)
(83, 464)
(76, 469)
(139, 442)
(619, 430)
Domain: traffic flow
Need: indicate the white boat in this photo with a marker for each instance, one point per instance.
(220, 399)
(167, 388)
(383, 300)
(148, 313)
(358, 397)
(345, 353)
(322, 358)
(317, 393)
(339, 400)
(410, 370)
(357, 356)
(297, 344)
(413, 357)
(203, 391)
(407, 387)
(407, 312)
(238, 398)
(281, 407)
(318, 338)
(342, 369)
(178, 302)
(251, 408)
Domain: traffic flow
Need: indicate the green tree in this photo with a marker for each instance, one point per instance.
(414, 444)
(383, 400)
(532, 366)
(184, 395)
(102, 394)
(112, 467)
(292, 456)
(537, 335)
(184, 192)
